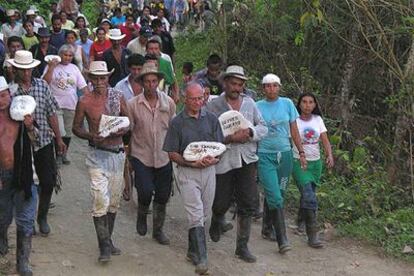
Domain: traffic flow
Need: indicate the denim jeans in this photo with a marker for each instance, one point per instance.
(13, 201)
(151, 182)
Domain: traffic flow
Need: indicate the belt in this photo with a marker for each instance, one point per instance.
(113, 150)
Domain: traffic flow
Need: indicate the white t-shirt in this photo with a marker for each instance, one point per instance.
(310, 132)
(66, 80)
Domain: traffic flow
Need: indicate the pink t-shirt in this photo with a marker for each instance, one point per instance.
(66, 80)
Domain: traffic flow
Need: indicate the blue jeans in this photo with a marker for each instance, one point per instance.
(152, 182)
(24, 210)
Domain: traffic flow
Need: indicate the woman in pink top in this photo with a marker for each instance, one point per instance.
(64, 79)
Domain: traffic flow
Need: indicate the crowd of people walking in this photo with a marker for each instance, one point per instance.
(125, 68)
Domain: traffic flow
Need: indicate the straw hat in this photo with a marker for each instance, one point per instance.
(150, 68)
(30, 12)
(24, 60)
(115, 34)
(236, 72)
(99, 68)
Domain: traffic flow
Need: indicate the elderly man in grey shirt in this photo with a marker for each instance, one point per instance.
(236, 172)
(196, 180)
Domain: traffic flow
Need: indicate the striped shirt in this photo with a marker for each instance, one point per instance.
(46, 106)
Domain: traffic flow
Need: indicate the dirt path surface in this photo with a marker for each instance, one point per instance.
(71, 248)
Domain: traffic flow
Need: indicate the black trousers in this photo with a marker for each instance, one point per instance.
(241, 183)
(46, 170)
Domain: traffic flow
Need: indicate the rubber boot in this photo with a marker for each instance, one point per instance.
(216, 228)
(23, 248)
(158, 218)
(268, 233)
(312, 229)
(42, 211)
(4, 244)
(65, 159)
(192, 255)
(226, 226)
(102, 232)
(301, 222)
(142, 219)
(111, 223)
(243, 235)
(200, 249)
(278, 221)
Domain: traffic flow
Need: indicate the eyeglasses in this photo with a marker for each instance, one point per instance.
(194, 99)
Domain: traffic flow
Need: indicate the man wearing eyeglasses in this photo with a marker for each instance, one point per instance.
(196, 180)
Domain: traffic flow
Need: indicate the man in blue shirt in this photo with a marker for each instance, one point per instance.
(85, 42)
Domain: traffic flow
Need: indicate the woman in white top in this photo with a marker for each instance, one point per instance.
(64, 79)
(312, 130)
(79, 57)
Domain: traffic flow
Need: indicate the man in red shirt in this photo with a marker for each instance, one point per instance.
(129, 29)
(99, 46)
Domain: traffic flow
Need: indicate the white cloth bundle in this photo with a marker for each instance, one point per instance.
(111, 124)
(198, 150)
(232, 121)
(22, 106)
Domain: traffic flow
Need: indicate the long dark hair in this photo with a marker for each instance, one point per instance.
(316, 110)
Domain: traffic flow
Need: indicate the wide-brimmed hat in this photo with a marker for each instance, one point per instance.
(10, 12)
(43, 32)
(24, 60)
(235, 71)
(116, 34)
(30, 12)
(99, 68)
(150, 68)
(3, 84)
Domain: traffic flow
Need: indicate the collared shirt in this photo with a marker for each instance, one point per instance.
(126, 88)
(185, 129)
(236, 153)
(121, 69)
(46, 106)
(149, 127)
(9, 31)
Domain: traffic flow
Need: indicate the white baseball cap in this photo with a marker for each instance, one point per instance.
(271, 78)
(3, 84)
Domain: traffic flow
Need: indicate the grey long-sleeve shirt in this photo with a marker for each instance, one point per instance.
(236, 153)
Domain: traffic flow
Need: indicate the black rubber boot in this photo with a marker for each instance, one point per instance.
(42, 211)
(192, 255)
(243, 235)
(111, 223)
(278, 221)
(312, 229)
(65, 159)
(301, 222)
(216, 227)
(200, 249)
(158, 218)
(142, 219)
(102, 232)
(23, 248)
(268, 233)
(4, 244)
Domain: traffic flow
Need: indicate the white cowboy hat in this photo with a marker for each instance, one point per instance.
(99, 68)
(24, 60)
(115, 34)
(235, 71)
(3, 84)
(271, 78)
(10, 12)
(30, 12)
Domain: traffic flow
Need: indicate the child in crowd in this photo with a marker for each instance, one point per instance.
(187, 71)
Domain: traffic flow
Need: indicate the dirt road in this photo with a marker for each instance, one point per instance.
(71, 248)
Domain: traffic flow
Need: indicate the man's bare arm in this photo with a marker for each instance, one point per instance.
(77, 127)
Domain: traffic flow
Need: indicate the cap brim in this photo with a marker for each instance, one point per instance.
(33, 64)
(117, 37)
